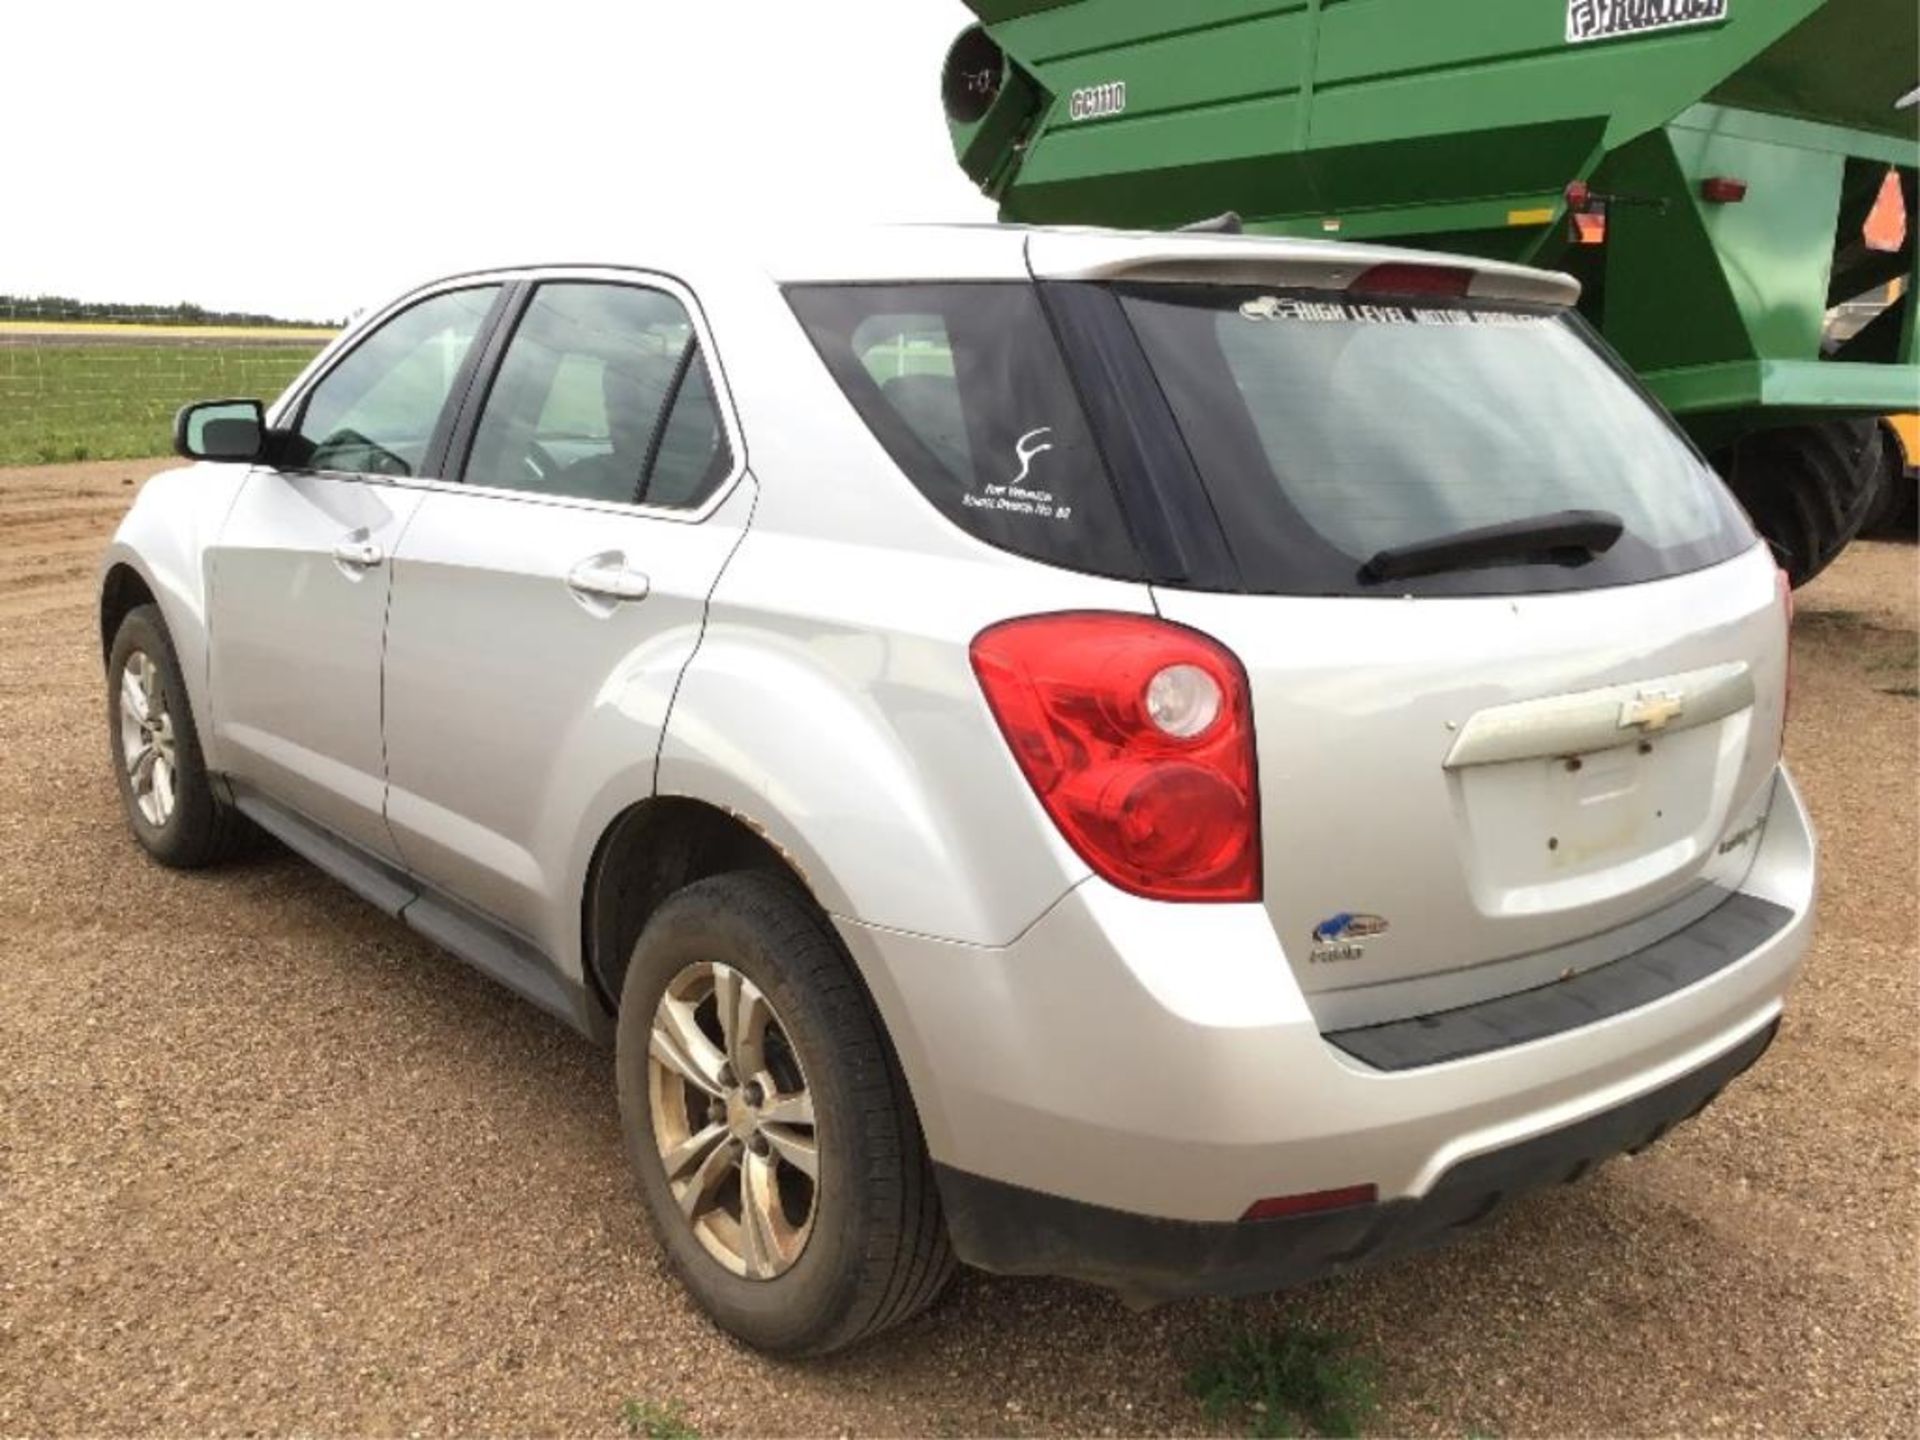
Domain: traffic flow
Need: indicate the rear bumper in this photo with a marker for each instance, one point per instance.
(1160, 1061)
(1015, 1231)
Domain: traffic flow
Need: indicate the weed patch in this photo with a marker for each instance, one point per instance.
(1287, 1380)
(657, 1422)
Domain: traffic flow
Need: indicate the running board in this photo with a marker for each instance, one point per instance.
(368, 876)
(463, 932)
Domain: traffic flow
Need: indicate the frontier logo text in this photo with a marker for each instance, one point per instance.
(1603, 19)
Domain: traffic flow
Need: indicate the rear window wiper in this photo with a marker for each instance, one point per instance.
(1566, 537)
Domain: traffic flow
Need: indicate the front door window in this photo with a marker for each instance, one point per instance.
(377, 411)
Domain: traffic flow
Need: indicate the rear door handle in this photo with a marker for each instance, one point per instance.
(608, 577)
(361, 554)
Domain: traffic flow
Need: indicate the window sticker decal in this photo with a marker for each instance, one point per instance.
(1016, 496)
(1605, 19)
(1348, 312)
(1028, 446)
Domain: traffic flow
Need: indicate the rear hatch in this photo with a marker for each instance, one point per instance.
(1448, 783)
(1517, 662)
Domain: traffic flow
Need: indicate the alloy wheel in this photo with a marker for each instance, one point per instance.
(733, 1120)
(147, 739)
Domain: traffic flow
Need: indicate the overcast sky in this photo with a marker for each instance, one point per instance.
(311, 158)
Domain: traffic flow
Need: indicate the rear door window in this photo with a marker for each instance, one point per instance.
(964, 386)
(1327, 428)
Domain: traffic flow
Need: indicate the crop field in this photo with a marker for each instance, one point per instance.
(105, 392)
(272, 1164)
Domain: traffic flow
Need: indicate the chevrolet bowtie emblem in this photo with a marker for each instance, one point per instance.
(1652, 710)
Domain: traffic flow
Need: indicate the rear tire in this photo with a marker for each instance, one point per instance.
(171, 804)
(1896, 497)
(860, 1249)
(1808, 488)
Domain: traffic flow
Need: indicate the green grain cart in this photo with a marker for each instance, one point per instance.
(1704, 167)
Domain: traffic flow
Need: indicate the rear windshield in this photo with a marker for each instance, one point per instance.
(1327, 429)
(966, 388)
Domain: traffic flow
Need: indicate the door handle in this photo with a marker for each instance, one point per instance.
(607, 577)
(360, 554)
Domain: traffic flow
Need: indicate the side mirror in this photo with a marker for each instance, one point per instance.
(220, 430)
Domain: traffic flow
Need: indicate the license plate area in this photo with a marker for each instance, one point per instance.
(1560, 832)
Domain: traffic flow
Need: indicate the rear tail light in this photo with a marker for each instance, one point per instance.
(1783, 588)
(1403, 279)
(1137, 735)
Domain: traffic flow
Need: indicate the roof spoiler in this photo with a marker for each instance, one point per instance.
(1214, 258)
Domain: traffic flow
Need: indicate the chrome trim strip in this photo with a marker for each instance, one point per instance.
(350, 338)
(1600, 719)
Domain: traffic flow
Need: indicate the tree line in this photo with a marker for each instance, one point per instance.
(63, 307)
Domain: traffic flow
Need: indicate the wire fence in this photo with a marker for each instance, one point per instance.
(93, 383)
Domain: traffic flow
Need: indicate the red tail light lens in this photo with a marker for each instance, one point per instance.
(1723, 190)
(1783, 587)
(1403, 279)
(1137, 735)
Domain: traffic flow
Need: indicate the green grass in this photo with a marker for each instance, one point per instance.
(1287, 1380)
(657, 1422)
(66, 401)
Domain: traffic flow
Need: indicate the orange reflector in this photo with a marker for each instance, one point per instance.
(1314, 1201)
(1589, 228)
(1886, 227)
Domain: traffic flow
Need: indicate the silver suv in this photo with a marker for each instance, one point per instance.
(1187, 762)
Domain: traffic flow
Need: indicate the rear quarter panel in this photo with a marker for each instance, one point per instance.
(832, 704)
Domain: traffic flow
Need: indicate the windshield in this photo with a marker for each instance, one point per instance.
(1328, 428)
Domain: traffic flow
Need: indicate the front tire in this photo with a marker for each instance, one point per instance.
(767, 1119)
(170, 803)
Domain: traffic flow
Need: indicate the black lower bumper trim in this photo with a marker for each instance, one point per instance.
(1015, 1231)
(1731, 931)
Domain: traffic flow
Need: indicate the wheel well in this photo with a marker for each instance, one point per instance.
(122, 592)
(650, 851)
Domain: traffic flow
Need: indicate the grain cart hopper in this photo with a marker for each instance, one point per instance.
(1703, 167)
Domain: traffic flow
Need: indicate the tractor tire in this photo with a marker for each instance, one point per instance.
(1808, 488)
(1896, 498)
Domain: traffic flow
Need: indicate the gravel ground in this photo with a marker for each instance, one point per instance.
(269, 1163)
